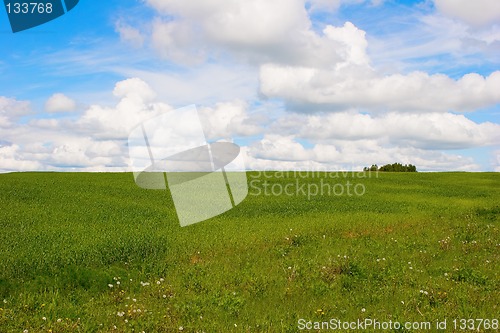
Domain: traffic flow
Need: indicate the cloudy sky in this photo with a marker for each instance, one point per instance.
(319, 84)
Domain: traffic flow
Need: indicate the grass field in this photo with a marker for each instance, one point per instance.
(95, 253)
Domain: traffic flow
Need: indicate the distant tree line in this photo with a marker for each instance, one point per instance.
(395, 167)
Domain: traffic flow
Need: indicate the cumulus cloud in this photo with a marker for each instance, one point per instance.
(425, 131)
(93, 142)
(135, 105)
(229, 119)
(280, 148)
(59, 103)
(350, 87)
(234, 22)
(96, 140)
(217, 28)
(479, 12)
(352, 82)
(11, 159)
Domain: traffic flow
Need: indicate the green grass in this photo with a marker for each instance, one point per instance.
(414, 247)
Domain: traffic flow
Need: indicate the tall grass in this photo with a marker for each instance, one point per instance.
(95, 253)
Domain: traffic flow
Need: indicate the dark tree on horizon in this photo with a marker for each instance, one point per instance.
(395, 167)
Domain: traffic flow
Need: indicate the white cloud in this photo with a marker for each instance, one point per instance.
(426, 131)
(134, 88)
(284, 152)
(220, 28)
(230, 119)
(59, 103)
(353, 41)
(234, 22)
(93, 142)
(280, 148)
(177, 42)
(11, 110)
(135, 105)
(12, 160)
(352, 82)
(130, 34)
(478, 12)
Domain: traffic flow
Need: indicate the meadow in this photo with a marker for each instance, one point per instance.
(85, 252)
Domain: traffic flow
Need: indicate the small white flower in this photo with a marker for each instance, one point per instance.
(59, 320)
(363, 310)
(235, 325)
(134, 300)
(383, 259)
(25, 331)
(162, 279)
(110, 285)
(181, 328)
(158, 282)
(117, 282)
(126, 321)
(120, 314)
(164, 296)
(445, 274)
(403, 302)
(44, 318)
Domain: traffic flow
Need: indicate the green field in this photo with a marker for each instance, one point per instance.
(95, 253)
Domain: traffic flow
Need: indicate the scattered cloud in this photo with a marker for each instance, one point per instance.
(60, 103)
(347, 155)
(479, 12)
(292, 85)
(129, 34)
(12, 109)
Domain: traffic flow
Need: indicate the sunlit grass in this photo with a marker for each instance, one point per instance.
(95, 253)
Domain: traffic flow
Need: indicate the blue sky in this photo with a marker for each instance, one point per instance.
(327, 84)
